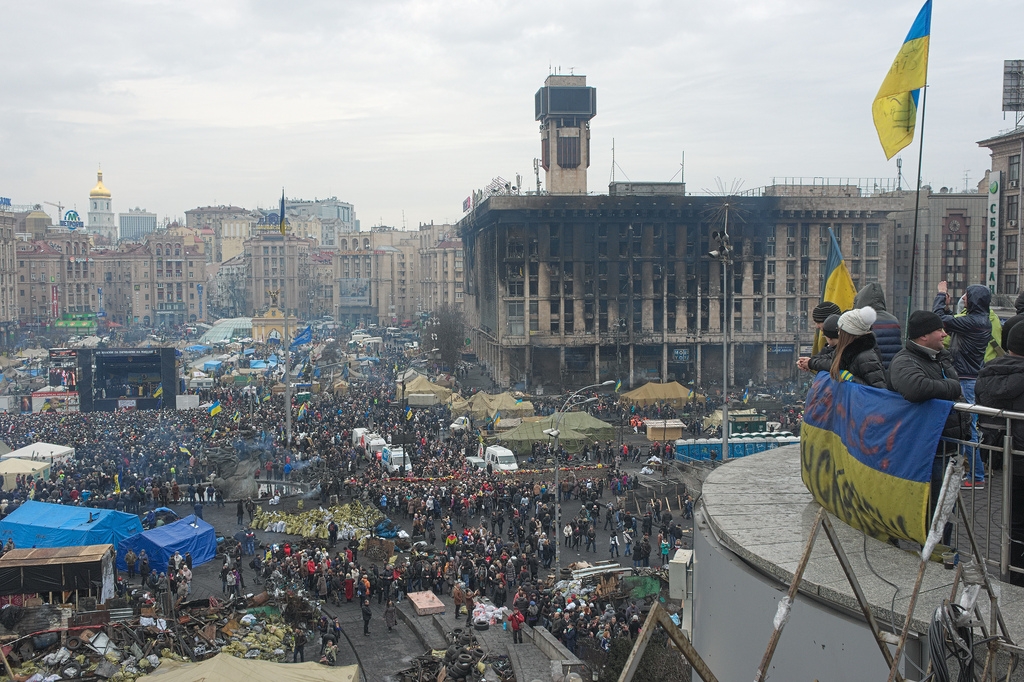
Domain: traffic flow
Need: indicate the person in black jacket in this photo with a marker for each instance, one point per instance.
(1018, 305)
(886, 328)
(1001, 385)
(822, 362)
(971, 333)
(856, 356)
(923, 370)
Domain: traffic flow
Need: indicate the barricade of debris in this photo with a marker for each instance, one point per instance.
(125, 639)
(462, 660)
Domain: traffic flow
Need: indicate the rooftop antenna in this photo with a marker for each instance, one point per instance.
(536, 171)
(967, 179)
(899, 173)
(613, 161)
(403, 219)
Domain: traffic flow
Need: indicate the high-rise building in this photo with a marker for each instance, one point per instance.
(101, 215)
(136, 224)
(1003, 231)
(564, 107)
(336, 218)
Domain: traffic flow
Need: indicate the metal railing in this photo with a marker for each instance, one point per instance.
(989, 510)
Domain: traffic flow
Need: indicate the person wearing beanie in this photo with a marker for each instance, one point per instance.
(1001, 385)
(971, 333)
(822, 361)
(856, 357)
(886, 327)
(924, 370)
(822, 311)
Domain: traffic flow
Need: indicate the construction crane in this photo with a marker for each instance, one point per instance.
(60, 210)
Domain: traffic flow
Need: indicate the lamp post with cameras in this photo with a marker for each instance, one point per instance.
(723, 254)
(555, 433)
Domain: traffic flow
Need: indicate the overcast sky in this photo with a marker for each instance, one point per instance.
(408, 105)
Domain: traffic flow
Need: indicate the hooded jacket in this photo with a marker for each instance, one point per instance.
(971, 331)
(1019, 307)
(864, 362)
(886, 327)
(920, 374)
(1001, 385)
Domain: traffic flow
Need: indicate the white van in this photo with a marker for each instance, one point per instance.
(395, 460)
(357, 436)
(374, 445)
(500, 458)
(476, 463)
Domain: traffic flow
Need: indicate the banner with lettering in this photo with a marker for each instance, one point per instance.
(866, 456)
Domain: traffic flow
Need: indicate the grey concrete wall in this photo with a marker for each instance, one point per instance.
(733, 609)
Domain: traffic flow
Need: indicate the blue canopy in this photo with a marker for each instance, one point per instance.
(190, 534)
(40, 524)
(257, 364)
(249, 351)
(211, 365)
(197, 348)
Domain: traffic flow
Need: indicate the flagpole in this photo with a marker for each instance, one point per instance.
(286, 343)
(917, 205)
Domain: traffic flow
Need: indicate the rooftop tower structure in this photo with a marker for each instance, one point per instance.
(564, 107)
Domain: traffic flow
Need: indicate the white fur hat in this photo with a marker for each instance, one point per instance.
(858, 321)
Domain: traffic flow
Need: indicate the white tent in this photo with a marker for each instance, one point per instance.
(42, 452)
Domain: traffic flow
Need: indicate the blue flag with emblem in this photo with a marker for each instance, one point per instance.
(303, 337)
(866, 456)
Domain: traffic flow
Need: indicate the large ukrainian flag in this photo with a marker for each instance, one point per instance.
(866, 456)
(838, 284)
(895, 107)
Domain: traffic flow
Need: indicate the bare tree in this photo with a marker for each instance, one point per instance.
(445, 331)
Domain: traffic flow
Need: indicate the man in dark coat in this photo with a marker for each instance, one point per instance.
(1018, 305)
(1001, 385)
(923, 371)
(971, 333)
(886, 327)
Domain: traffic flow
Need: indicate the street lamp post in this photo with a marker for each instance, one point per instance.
(554, 433)
(724, 255)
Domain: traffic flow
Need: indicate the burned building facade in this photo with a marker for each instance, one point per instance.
(562, 291)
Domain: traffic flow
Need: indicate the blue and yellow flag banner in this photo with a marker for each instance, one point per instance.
(185, 450)
(303, 408)
(618, 385)
(408, 413)
(838, 284)
(895, 107)
(215, 409)
(283, 228)
(866, 456)
(159, 391)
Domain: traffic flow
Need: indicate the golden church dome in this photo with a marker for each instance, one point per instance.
(99, 191)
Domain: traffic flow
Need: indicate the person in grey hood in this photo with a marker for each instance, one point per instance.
(970, 335)
(886, 328)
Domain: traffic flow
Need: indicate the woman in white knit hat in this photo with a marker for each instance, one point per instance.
(857, 357)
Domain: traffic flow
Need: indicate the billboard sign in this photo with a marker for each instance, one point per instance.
(53, 301)
(995, 181)
(199, 292)
(353, 292)
(72, 220)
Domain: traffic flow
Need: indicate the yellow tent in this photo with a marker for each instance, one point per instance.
(420, 384)
(458, 405)
(10, 468)
(227, 667)
(673, 393)
(486, 406)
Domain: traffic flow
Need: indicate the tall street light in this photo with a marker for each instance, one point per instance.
(723, 254)
(555, 433)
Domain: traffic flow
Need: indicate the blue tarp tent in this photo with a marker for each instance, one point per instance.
(197, 348)
(211, 365)
(40, 524)
(190, 534)
(257, 364)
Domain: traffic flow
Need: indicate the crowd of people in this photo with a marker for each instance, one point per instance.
(958, 351)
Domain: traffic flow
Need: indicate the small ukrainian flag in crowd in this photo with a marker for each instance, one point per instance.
(159, 391)
(185, 450)
(236, 416)
(408, 413)
(303, 408)
(618, 385)
(215, 409)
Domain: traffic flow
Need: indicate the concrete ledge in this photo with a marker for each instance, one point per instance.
(423, 627)
(562, 661)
